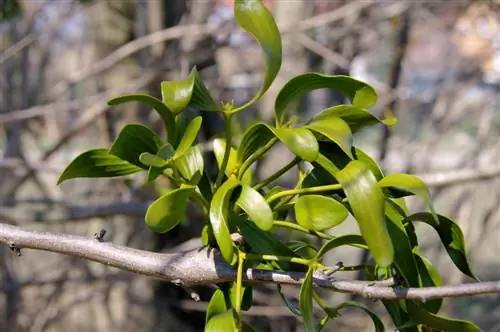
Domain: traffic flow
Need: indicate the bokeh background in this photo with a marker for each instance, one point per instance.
(435, 64)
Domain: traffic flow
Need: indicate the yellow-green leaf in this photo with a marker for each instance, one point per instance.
(356, 117)
(169, 210)
(256, 208)
(191, 91)
(411, 183)
(255, 18)
(216, 306)
(359, 93)
(190, 165)
(188, 137)
(219, 218)
(305, 299)
(336, 130)
(219, 146)
(316, 212)
(367, 203)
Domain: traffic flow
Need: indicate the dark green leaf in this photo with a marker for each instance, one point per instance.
(367, 203)
(318, 212)
(256, 208)
(403, 256)
(429, 277)
(132, 141)
(290, 305)
(262, 242)
(256, 19)
(336, 130)
(452, 238)
(216, 306)
(188, 137)
(190, 165)
(422, 316)
(345, 240)
(254, 138)
(318, 177)
(169, 210)
(377, 322)
(305, 299)
(355, 116)
(219, 146)
(359, 93)
(97, 163)
(158, 105)
(219, 212)
(178, 95)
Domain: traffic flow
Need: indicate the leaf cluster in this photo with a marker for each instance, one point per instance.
(340, 180)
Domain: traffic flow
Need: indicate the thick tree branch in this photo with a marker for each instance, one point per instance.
(205, 266)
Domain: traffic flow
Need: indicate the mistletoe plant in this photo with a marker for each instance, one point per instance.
(242, 216)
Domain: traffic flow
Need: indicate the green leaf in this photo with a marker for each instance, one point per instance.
(440, 323)
(300, 141)
(133, 140)
(318, 177)
(357, 117)
(262, 242)
(221, 322)
(452, 238)
(152, 160)
(188, 137)
(254, 138)
(345, 240)
(191, 91)
(256, 208)
(219, 146)
(367, 203)
(305, 299)
(336, 130)
(368, 161)
(216, 306)
(318, 212)
(411, 183)
(158, 105)
(403, 256)
(377, 322)
(293, 308)
(359, 93)
(169, 210)
(190, 165)
(429, 277)
(97, 163)
(219, 212)
(255, 18)
(246, 296)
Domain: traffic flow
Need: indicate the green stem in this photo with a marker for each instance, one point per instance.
(276, 258)
(239, 278)
(277, 174)
(201, 201)
(302, 191)
(256, 155)
(297, 227)
(225, 159)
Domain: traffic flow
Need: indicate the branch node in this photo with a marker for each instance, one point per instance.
(15, 249)
(178, 282)
(99, 236)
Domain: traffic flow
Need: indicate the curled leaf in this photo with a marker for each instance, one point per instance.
(255, 18)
